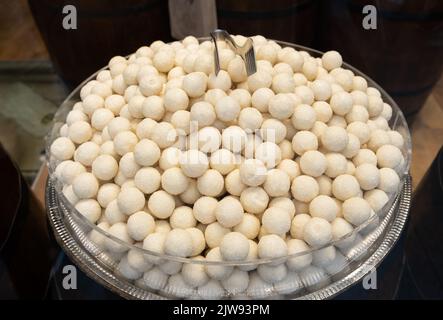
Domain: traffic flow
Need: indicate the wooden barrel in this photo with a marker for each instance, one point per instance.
(404, 54)
(288, 20)
(105, 28)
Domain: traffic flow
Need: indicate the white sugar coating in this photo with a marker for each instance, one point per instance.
(306, 94)
(317, 232)
(86, 153)
(161, 204)
(345, 186)
(377, 139)
(107, 193)
(254, 200)
(91, 103)
(361, 130)
(209, 139)
(203, 113)
(80, 132)
(120, 231)
(242, 96)
(301, 261)
(276, 220)
(234, 247)
(229, 212)
(178, 243)
(269, 154)
(281, 106)
(313, 163)
(260, 99)
(260, 79)
(214, 233)
(211, 183)
(194, 273)
(101, 117)
(356, 210)
(389, 180)
(117, 125)
(341, 103)
(331, 60)
(125, 142)
(389, 156)
(324, 207)
(304, 117)
(277, 183)
(304, 188)
(174, 181)
(357, 113)
(233, 183)
(135, 107)
(191, 194)
(322, 90)
(113, 213)
(396, 138)
(286, 149)
(368, 176)
(164, 135)
(151, 108)
(198, 241)
(323, 111)
(375, 106)
(253, 172)
(364, 156)
(291, 168)
(155, 242)
(193, 163)
(334, 138)
(130, 200)
(272, 274)
(195, 83)
(85, 185)
(250, 119)
(105, 167)
(220, 81)
(376, 198)
(175, 99)
(352, 147)
(169, 158)
(273, 130)
(227, 109)
(217, 272)
(223, 161)
(304, 141)
(234, 138)
(249, 226)
(127, 165)
(139, 225)
(336, 164)
(181, 121)
(325, 185)
(146, 152)
(204, 209)
(272, 246)
(62, 148)
(89, 208)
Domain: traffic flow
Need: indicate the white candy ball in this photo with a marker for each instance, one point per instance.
(105, 167)
(367, 175)
(195, 83)
(254, 200)
(227, 109)
(90, 209)
(389, 156)
(234, 247)
(214, 233)
(376, 198)
(277, 183)
(85, 185)
(211, 183)
(317, 232)
(303, 117)
(253, 172)
(161, 204)
(275, 220)
(178, 243)
(313, 163)
(139, 225)
(389, 180)
(356, 210)
(193, 163)
(334, 138)
(304, 188)
(304, 141)
(229, 212)
(62, 148)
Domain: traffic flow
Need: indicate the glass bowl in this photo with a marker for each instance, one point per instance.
(136, 273)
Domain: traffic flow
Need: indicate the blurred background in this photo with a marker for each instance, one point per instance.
(40, 61)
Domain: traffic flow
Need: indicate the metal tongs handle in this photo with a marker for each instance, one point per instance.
(246, 51)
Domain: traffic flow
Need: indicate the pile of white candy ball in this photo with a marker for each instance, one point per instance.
(166, 156)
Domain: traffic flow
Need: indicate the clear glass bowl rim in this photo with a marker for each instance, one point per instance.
(392, 201)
